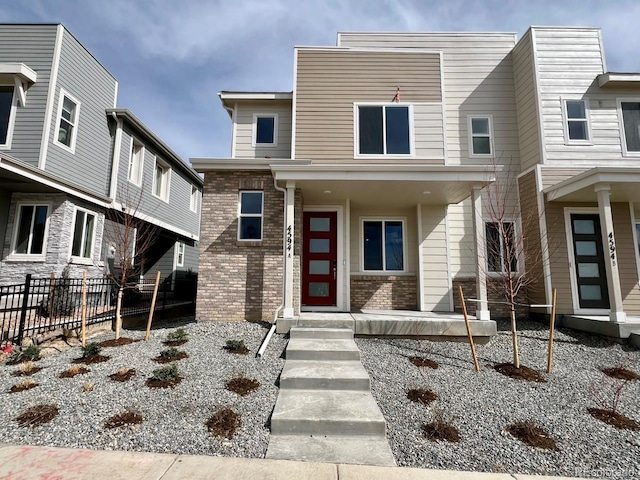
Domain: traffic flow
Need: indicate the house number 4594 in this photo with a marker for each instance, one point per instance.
(612, 248)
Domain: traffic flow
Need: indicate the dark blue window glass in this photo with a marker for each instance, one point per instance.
(265, 129)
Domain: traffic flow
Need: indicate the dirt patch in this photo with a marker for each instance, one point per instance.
(91, 359)
(242, 386)
(522, 373)
(117, 342)
(237, 351)
(38, 415)
(73, 371)
(224, 423)
(152, 383)
(21, 387)
(129, 417)
(26, 373)
(421, 395)
(441, 430)
(620, 373)
(179, 356)
(123, 375)
(424, 362)
(174, 343)
(533, 435)
(614, 419)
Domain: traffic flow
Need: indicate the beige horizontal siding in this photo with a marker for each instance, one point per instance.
(626, 250)
(553, 175)
(245, 130)
(533, 248)
(434, 250)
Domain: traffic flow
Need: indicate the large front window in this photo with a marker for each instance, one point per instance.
(83, 234)
(6, 108)
(384, 130)
(383, 245)
(250, 216)
(631, 123)
(31, 230)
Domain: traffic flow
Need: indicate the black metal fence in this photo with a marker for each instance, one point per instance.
(40, 305)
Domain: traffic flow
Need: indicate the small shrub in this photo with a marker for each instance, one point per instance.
(73, 371)
(87, 387)
(91, 350)
(533, 435)
(236, 346)
(441, 428)
(168, 353)
(129, 417)
(224, 423)
(22, 386)
(522, 373)
(180, 335)
(26, 369)
(28, 354)
(164, 377)
(38, 415)
(242, 386)
(123, 375)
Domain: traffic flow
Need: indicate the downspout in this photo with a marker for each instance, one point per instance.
(265, 342)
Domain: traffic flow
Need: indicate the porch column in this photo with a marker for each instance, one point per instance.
(288, 311)
(482, 309)
(610, 258)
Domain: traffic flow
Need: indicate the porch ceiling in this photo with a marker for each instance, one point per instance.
(623, 182)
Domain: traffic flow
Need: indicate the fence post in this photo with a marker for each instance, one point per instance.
(84, 308)
(52, 286)
(25, 304)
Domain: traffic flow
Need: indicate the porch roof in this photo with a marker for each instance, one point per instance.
(623, 182)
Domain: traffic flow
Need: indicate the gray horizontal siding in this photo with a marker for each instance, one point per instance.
(32, 45)
(191, 258)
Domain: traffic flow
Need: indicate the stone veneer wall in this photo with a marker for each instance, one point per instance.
(384, 292)
(494, 294)
(58, 240)
(242, 280)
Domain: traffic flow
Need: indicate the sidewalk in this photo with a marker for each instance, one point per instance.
(25, 462)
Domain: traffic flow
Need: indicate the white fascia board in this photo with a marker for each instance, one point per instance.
(611, 79)
(255, 95)
(201, 165)
(20, 70)
(591, 178)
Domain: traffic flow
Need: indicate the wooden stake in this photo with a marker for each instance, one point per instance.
(552, 326)
(153, 306)
(84, 308)
(52, 291)
(466, 321)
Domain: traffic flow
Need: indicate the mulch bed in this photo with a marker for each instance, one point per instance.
(224, 423)
(91, 359)
(151, 383)
(23, 360)
(423, 362)
(126, 418)
(179, 356)
(421, 395)
(239, 351)
(174, 343)
(23, 373)
(72, 372)
(123, 376)
(533, 435)
(620, 373)
(441, 430)
(522, 373)
(38, 415)
(21, 387)
(614, 419)
(242, 386)
(117, 343)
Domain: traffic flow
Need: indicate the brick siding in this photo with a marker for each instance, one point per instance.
(386, 292)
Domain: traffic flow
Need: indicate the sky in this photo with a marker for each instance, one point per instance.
(171, 58)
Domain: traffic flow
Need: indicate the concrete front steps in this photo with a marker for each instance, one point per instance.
(325, 411)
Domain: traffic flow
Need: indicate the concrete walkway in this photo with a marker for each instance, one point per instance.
(25, 462)
(325, 411)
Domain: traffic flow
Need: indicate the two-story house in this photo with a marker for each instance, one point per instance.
(69, 160)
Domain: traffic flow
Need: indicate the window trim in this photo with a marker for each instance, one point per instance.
(515, 238)
(166, 176)
(179, 244)
(566, 120)
(356, 130)
(250, 215)
(384, 271)
(134, 141)
(193, 199)
(12, 118)
(14, 236)
(74, 132)
(471, 136)
(623, 133)
(254, 133)
(79, 258)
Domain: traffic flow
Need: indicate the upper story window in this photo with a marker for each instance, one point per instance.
(384, 129)
(480, 136)
(161, 178)
(193, 199)
(68, 114)
(30, 230)
(631, 127)
(250, 211)
(179, 254)
(136, 162)
(576, 121)
(383, 246)
(84, 228)
(265, 130)
(501, 251)
(7, 115)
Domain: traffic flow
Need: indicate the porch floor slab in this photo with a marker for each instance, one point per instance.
(601, 325)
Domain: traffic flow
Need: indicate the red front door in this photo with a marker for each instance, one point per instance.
(319, 257)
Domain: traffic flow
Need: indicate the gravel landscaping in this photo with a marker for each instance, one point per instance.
(481, 405)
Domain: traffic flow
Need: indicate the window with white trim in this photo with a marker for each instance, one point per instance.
(179, 254)
(30, 229)
(250, 215)
(576, 121)
(136, 162)
(383, 247)
(265, 130)
(480, 136)
(631, 126)
(161, 177)
(67, 126)
(193, 201)
(7, 114)
(84, 228)
(500, 242)
(384, 129)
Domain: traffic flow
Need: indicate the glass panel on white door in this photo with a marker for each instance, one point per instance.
(587, 248)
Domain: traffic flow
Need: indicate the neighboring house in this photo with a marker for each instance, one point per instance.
(70, 160)
(362, 188)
